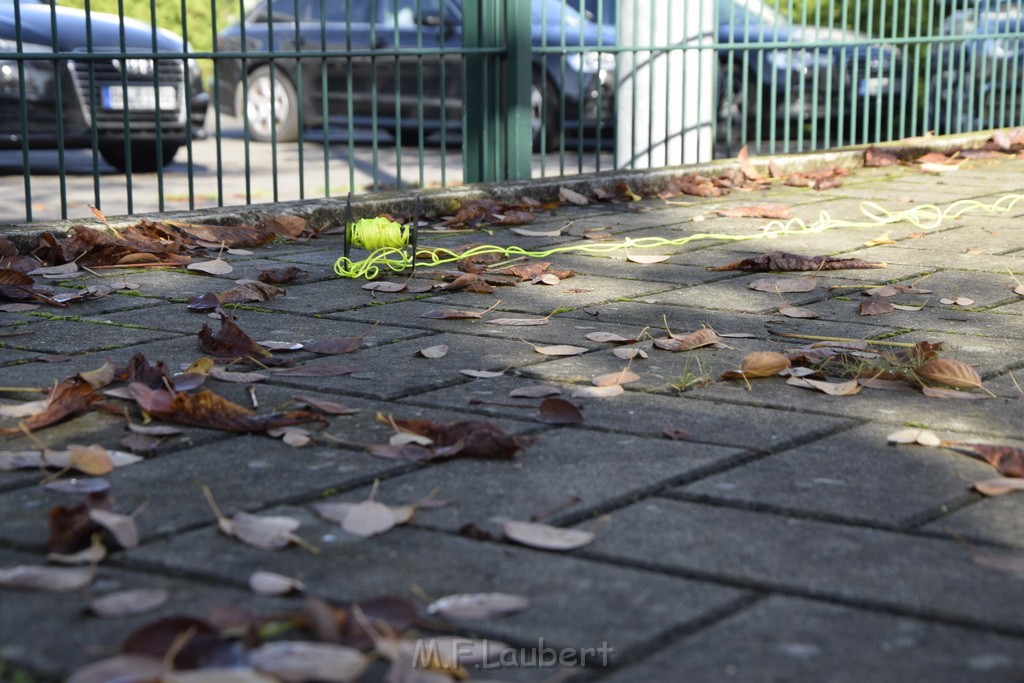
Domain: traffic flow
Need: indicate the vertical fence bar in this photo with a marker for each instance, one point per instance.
(26, 159)
(519, 81)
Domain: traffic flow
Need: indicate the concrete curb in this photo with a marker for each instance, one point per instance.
(323, 213)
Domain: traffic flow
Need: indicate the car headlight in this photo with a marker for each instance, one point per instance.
(590, 62)
(37, 82)
(798, 60)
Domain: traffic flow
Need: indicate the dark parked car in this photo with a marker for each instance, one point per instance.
(389, 91)
(979, 83)
(795, 85)
(119, 100)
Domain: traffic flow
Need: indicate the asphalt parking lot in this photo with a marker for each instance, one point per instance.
(253, 174)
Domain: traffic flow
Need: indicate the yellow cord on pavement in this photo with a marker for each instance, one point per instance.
(387, 241)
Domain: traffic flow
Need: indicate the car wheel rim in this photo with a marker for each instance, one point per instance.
(536, 109)
(264, 118)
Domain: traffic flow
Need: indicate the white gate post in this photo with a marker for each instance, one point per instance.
(664, 99)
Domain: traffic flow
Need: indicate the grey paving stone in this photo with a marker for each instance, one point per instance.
(52, 634)
(72, 336)
(260, 325)
(735, 295)
(938, 258)
(574, 602)
(755, 428)
(544, 482)
(394, 370)
(935, 319)
(562, 328)
(924, 577)
(994, 417)
(853, 476)
(994, 520)
(787, 639)
(578, 291)
(245, 471)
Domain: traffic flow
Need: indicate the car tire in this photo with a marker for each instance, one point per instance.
(143, 156)
(544, 110)
(261, 90)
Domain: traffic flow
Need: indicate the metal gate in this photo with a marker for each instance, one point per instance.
(233, 102)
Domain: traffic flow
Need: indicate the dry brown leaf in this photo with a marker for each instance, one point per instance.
(215, 266)
(848, 388)
(519, 322)
(545, 536)
(560, 350)
(629, 353)
(101, 376)
(209, 410)
(52, 579)
(549, 279)
(609, 338)
(219, 373)
(535, 391)
(66, 400)
(1008, 460)
(336, 346)
(439, 351)
(784, 284)
(999, 486)
(250, 290)
(949, 372)
(572, 196)
(325, 406)
(230, 341)
(558, 411)
(747, 166)
(797, 312)
(385, 286)
(647, 258)
(955, 394)
(483, 374)
(777, 211)
(269, 583)
(930, 167)
(94, 460)
(876, 305)
(128, 603)
(626, 376)
(537, 233)
(469, 606)
(759, 364)
(783, 261)
(121, 527)
(702, 337)
(129, 668)
(603, 391)
(959, 301)
(298, 661)
(910, 435)
(452, 314)
(265, 533)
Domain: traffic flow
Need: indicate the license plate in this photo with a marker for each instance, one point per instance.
(873, 86)
(140, 97)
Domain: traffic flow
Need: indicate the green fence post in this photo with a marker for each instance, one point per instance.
(519, 77)
(496, 137)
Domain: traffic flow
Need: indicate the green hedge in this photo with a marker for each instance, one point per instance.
(198, 15)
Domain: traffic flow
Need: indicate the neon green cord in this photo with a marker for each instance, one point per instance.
(386, 241)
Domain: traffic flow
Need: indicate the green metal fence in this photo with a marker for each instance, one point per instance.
(244, 102)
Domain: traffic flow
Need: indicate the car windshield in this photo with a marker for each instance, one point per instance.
(747, 13)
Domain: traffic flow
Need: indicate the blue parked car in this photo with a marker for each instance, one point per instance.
(795, 85)
(979, 83)
(389, 91)
(114, 99)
